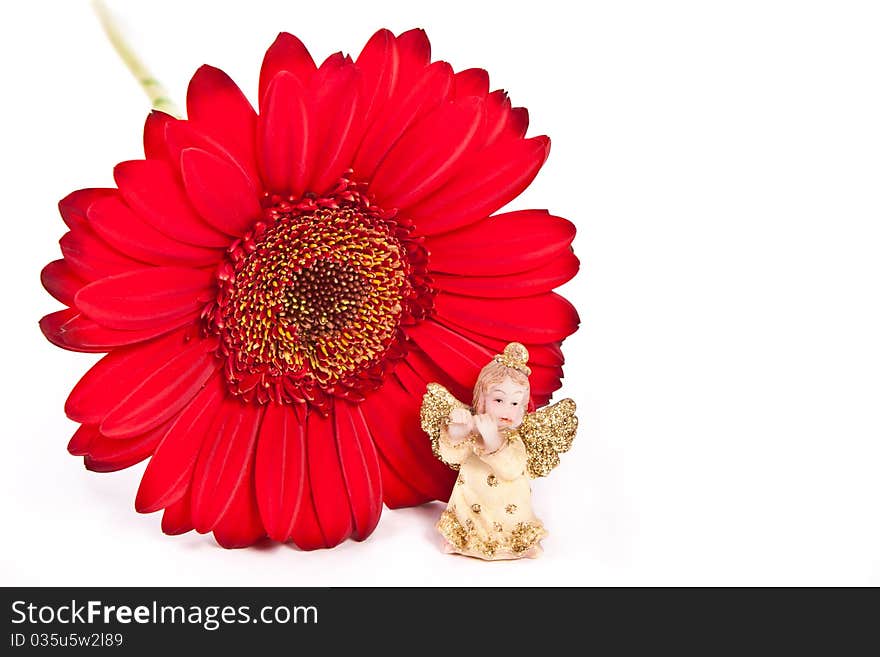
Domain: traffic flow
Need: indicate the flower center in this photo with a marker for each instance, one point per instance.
(311, 301)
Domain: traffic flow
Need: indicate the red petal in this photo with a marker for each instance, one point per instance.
(280, 469)
(124, 230)
(109, 454)
(71, 330)
(518, 123)
(287, 53)
(360, 468)
(427, 370)
(524, 284)
(61, 281)
(543, 354)
(74, 206)
(224, 460)
(412, 377)
(82, 439)
(379, 65)
(91, 258)
(169, 472)
(542, 318)
(392, 414)
(52, 324)
(413, 383)
(333, 62)
(337, 114)
(164, 392)
(151, 189)
(221, 192)
(154, 135)
(497, 116)
(177, 518)
(112, 378)
(216, 105)
(544, 381)
(415, 51)
(240, 525)
(146, 298)
(306, 532)
(180, 135)
(283, 133)
(471, 82)
(537, 401)
(327, 482)
(396, 493)
(500, 245)
(459, 357)
(491, 179)
(443, 477)
(409, 103)
(428, 154)
(414, 55)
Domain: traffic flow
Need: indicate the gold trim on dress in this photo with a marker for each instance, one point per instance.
(466, 540)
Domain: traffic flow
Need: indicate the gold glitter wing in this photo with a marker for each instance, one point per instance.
(437, 404)
(547, 433)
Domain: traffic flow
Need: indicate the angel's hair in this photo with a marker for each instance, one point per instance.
(512, 363)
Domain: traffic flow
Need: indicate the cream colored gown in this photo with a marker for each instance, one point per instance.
(490, 510)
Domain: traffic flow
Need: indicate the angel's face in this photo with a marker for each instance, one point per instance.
(506, 403)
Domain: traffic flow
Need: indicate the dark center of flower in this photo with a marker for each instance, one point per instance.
(311, 301)
(325, 298)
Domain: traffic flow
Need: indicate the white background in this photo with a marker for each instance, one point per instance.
(721, 161)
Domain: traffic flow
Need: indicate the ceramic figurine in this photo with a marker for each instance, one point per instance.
(496, 446)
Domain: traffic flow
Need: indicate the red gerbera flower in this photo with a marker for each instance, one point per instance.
(274, 290)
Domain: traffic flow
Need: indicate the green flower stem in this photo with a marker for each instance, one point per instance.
(152, 87)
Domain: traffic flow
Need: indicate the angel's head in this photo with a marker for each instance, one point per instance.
(502, 388)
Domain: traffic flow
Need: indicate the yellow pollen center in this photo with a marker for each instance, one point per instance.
(311, 303)
(319, 295)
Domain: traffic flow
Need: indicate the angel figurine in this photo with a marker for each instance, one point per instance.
(496, 447)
